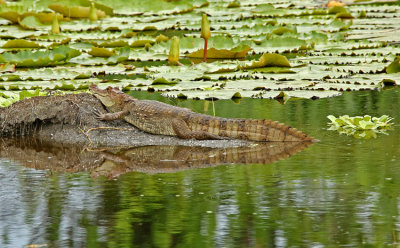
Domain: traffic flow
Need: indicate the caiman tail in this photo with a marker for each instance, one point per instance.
(247, 129)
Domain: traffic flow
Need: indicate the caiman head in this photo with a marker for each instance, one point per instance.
(112, 98)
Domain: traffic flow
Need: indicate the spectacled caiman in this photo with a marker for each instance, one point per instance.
(160, 118)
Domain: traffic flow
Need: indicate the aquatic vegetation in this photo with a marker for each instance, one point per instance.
(173, 57)
(205, 33)
(9, 97)
(360, 126)
(312, 52)
(394, 67)
(27, 58)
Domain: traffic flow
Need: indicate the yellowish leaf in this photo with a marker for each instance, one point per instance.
(101, 52)
(214, 53)
(75, 11)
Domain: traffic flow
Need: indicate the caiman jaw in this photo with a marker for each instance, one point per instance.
(102, 95)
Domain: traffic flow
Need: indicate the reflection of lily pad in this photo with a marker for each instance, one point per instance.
(57, 56)
(212, 53)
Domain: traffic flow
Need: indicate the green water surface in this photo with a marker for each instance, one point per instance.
(340, 192)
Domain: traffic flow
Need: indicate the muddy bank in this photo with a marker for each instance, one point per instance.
(113, 162)
(70, 119)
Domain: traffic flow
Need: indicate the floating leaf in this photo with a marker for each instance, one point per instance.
(7, 68)
(121, 56)
(75, 11)
(394, 67)
(18, 43)
(114, 43)
(213, 53)
(282, 30)
(269, 60)
(336, 55)
(59, 55)
(233, 5)
(360, 126)
(161, 38)
(43, 17)
(162, 81)
(344, 15)
(8, 98)
(32, 23)
(141, 43)
(101, 52)
(12, 16)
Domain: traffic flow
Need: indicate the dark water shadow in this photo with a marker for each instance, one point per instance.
(112, 162)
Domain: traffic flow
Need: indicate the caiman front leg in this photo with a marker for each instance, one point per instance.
(111, 116)
(182, 131)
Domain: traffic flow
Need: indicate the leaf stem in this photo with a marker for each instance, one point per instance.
(205, 50)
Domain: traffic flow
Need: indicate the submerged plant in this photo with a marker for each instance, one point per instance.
(360, 126)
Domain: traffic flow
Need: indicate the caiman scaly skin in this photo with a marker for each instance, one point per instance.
(160, 118)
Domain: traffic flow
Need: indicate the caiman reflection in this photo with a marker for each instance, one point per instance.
(56, 157)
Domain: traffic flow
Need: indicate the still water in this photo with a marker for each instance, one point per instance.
(340, 192)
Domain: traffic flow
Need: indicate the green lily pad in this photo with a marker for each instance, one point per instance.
(101, 52)
(12, 16)
(394, 67)
(121, 54)
(19, 43)
(57, 56)
(8, 98)
(32, 23)
(268, 60)
(327, 55)
(282, 30)
(162, 81)
(360, 126)
(337, 9)
(7, 67)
